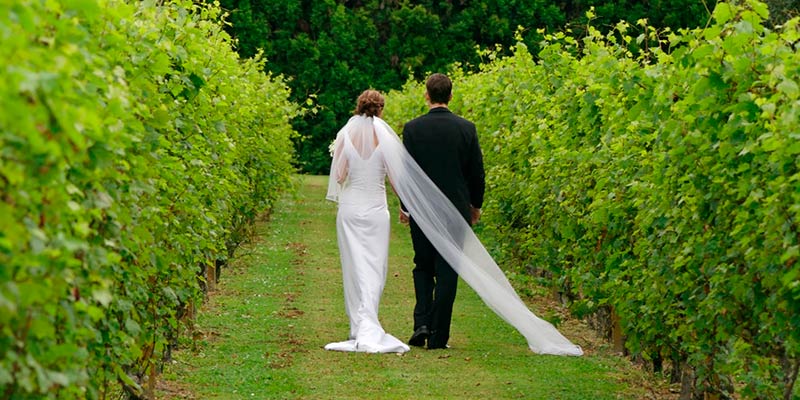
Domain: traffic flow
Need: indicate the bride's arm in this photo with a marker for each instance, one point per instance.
(341, 165)
(341, 173)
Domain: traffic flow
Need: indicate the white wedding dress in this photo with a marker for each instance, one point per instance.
(365, 151)
(362, 227)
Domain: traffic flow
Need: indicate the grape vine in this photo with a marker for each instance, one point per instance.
(655, 176)
(136, 149)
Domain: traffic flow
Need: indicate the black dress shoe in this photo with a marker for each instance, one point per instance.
(436, 341)
(419, 337)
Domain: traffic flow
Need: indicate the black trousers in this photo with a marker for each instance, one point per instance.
(435, 284)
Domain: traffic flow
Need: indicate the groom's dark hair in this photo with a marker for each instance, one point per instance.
(439, 88)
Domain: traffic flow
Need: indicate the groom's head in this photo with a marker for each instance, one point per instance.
(439, 89)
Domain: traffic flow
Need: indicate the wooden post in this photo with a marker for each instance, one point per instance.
(211, 277)
(617, 339)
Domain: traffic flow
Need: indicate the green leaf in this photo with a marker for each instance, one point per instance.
(89, 8)
(125, 378)
(132, 327)
(791, 253)
(58, 378)
(102, 296)
(794, 148)
(95, 313)
(42, 328)
(197, 81)
(712, 32)
(5, 375)
(722, 13)
(789, 87)
(25, 16)
(790, 278)
(761, 9)
(771, 143)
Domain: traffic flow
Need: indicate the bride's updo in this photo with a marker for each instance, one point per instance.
(370, 103)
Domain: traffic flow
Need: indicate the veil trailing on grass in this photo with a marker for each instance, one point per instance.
(452, 236)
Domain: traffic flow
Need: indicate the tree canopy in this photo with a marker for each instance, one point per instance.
(333, 49)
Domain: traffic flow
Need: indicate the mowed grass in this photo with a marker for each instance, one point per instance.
(261, 333)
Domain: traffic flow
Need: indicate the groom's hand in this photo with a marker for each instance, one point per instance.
(475, 213)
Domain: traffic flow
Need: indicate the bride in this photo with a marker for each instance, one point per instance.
(366, 151)
(358, 173)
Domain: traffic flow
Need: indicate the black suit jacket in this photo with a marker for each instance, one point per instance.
(446, 147)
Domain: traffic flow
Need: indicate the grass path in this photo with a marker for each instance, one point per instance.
(261, 332)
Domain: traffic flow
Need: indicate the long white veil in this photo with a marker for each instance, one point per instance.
(452, 236)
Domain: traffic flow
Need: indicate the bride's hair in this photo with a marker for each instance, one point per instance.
(370, 103)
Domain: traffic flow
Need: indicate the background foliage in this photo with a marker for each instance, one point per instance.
(662, 185)
(136, 148)
(334, 49)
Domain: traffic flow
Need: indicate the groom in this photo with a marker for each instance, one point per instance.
(446, 148)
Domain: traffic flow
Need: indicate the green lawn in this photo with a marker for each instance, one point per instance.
(261, 332)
